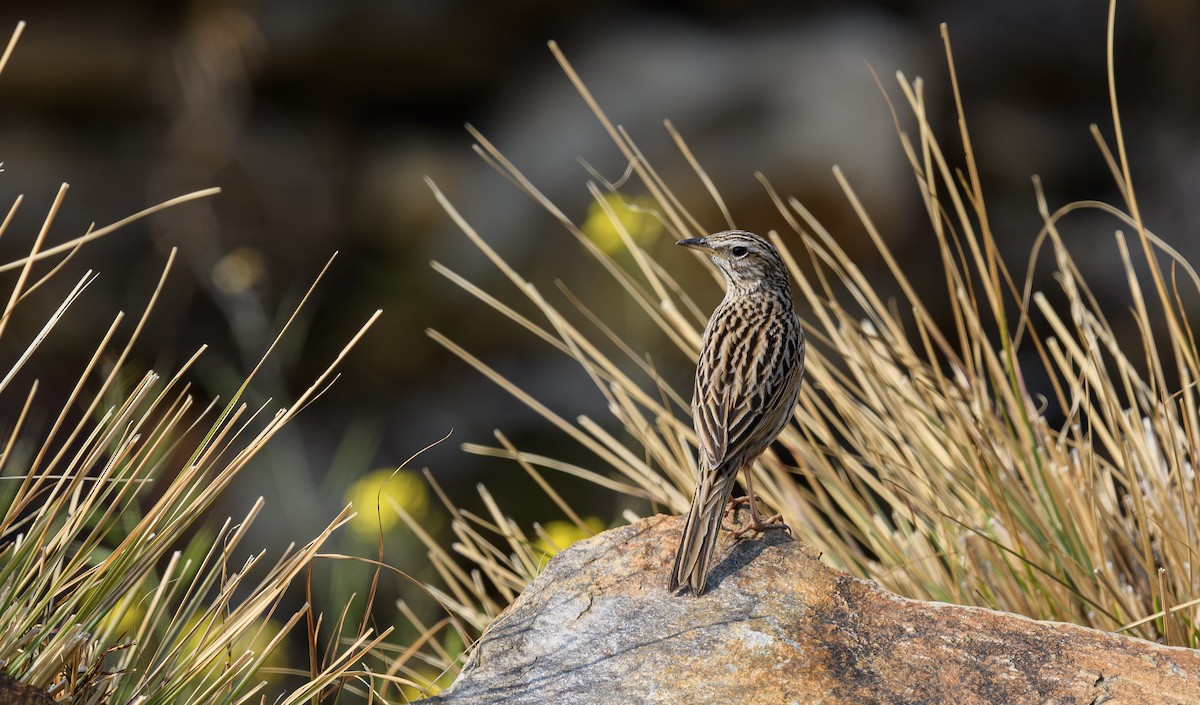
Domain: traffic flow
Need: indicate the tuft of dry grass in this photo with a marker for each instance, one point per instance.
(111, 591)
(918, 457)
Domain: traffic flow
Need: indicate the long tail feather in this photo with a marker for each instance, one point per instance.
(699, 538)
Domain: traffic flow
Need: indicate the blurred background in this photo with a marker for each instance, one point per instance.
(320, 121)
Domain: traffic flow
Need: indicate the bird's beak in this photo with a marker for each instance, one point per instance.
(696, 243)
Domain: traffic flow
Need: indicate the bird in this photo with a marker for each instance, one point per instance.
(748, 381)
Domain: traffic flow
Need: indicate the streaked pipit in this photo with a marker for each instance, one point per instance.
(747, 383)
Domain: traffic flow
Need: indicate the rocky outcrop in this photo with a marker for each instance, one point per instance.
(14, 692)
(778, 626)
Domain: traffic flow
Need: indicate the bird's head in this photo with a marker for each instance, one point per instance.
(748, 261)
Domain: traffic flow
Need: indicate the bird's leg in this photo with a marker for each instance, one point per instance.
(757, 524)
(746, 500)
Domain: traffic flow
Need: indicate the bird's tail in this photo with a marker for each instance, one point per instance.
(700, 532)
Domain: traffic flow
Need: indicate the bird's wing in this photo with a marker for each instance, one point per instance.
(710, 408)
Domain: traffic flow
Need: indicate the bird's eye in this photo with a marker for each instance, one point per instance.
(739, 251)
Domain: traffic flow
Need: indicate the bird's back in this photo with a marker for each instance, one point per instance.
(748, 377)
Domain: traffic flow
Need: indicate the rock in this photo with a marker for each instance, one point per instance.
(778, 626)
(14, 692)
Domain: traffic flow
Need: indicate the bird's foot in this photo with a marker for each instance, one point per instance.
(759, 525)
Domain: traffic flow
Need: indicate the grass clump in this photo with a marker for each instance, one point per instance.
(112, 590)
(919, 457)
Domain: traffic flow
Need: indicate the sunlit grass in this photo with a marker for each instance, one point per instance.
(918, 457)
(111, 588)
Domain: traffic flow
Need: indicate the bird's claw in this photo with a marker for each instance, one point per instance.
(761, 526)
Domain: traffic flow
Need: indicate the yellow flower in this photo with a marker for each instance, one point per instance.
(428, 682)
(637, 216)
(564, 533)
(205, 629)
(123, 623)
(239, 271)
(374, 494)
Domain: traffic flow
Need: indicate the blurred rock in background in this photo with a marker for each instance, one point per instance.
(320, 120)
